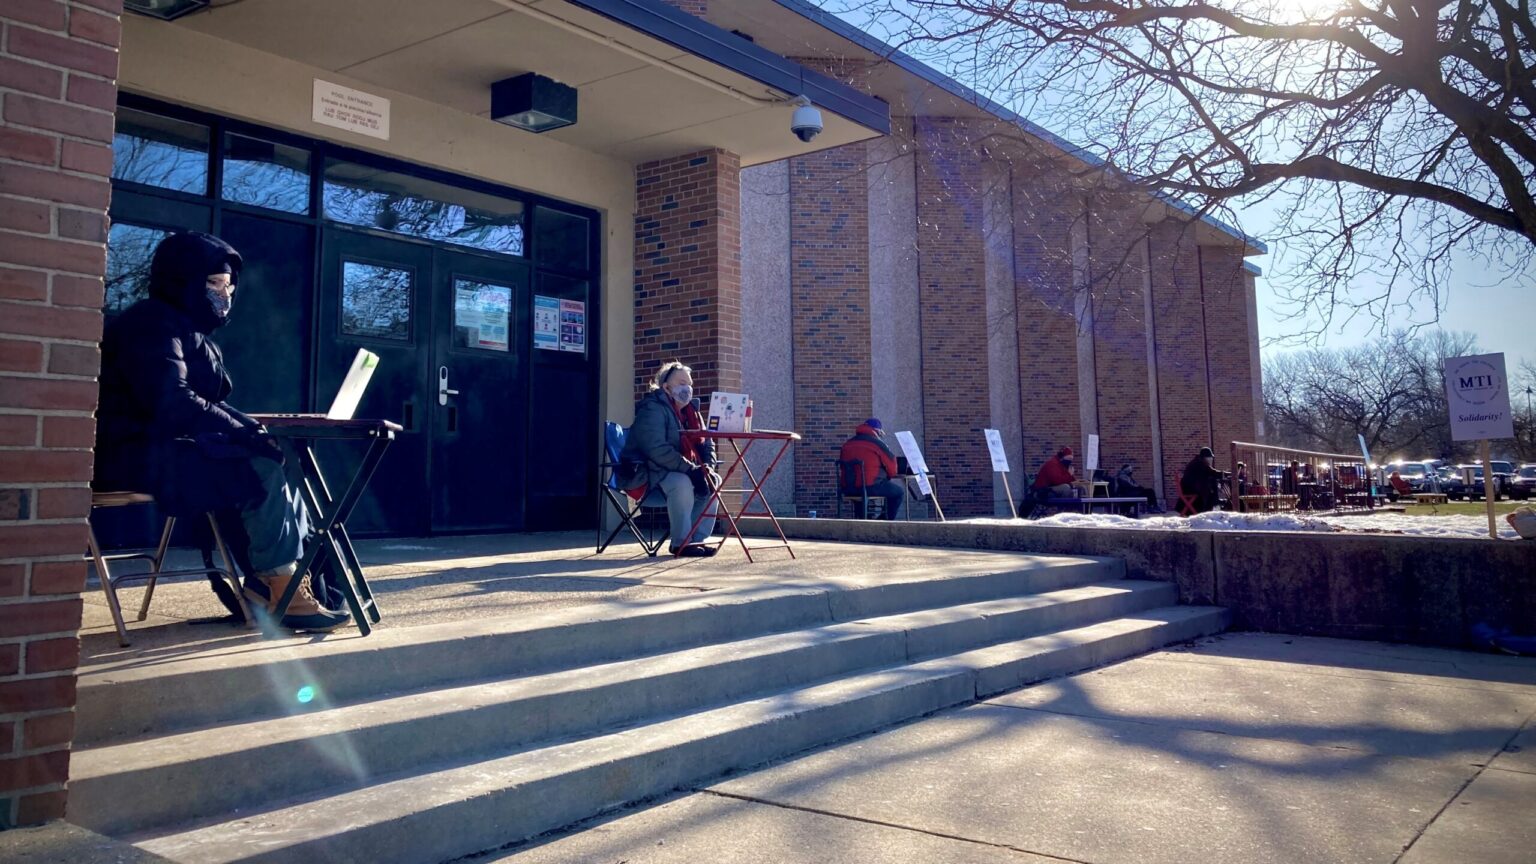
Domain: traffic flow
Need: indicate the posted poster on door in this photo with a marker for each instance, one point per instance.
(573, 326)
(482, 311)
(546, 322)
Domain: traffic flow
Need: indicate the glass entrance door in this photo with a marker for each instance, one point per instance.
(480, 396)
(450, 331)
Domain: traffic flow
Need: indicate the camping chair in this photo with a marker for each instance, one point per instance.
(1187, 505)
(851, 487)
(1401, 486)
(110, 581)
(627, 508)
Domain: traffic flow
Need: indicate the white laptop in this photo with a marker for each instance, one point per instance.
(352, 387)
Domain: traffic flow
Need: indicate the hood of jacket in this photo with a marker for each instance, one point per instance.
(179, 272)
(866, 430)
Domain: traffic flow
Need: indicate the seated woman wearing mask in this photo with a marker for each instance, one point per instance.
(657, 455)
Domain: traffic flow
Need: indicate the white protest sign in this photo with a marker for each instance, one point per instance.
(1477, 393)
(352, 110)
(1091, 458)
(995, 449)
(915, 459)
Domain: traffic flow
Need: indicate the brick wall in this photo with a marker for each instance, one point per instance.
(1117, 274)
(1044, 210)
(1227, 337)
(953, 302)
(829, 289)
(688, 269)
(1184, 408)
(692, 7)
(58, 66)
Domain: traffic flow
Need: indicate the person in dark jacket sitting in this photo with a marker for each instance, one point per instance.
(656, 454)
(1202, 481)
(876, 472)
(163, 425)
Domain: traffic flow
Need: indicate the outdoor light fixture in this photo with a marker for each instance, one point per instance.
(533, 102)
(165, 10)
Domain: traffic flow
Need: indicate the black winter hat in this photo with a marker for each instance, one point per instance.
(179, 272)
(1206, 451)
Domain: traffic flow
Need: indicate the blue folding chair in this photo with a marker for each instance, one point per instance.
(630, 511)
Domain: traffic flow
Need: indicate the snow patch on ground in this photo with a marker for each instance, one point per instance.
(1376, 523)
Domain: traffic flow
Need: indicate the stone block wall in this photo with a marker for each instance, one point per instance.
(688, 268)
(58, 69)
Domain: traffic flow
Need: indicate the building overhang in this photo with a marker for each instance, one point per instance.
(653, 82)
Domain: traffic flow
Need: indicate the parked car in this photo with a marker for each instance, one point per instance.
(1419, 476)
(1523, 484)
(1501, 479)
(1451, 483)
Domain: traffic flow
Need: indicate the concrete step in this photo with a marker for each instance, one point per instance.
(133, 786)
(460, 810)
(243, 683)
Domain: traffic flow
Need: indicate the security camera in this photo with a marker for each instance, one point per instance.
(806, 123)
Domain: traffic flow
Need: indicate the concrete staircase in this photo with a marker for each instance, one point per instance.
(424, 744)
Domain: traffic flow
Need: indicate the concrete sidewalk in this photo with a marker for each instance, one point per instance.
(1240, 748)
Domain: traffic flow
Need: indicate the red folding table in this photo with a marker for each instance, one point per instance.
(752, 486)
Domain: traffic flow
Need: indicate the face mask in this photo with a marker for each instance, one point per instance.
(221, 303)
(683, 394)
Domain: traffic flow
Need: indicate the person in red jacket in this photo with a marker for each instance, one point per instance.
(877, 468)
(1055, 477)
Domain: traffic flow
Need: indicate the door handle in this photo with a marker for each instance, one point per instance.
(442, 386)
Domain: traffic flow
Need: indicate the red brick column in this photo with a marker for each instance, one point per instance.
(1043, 213)
(58, 67)
(1178, 312)
(953, 304)
(688, 269)
(829, 289)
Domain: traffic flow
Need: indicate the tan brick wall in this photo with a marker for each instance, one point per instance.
(688, 268)
(829, 290)
(58, 66)
(1227, 338)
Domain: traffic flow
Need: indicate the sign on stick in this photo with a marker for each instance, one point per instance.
(1091, 458)
(914, 456)
(1477, 392)
(995, 449)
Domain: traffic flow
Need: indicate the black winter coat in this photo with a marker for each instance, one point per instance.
(653, 446)
(163, 425)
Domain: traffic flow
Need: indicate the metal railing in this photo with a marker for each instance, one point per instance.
(1353, 493)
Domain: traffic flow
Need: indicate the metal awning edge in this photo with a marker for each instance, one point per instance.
(724, 48)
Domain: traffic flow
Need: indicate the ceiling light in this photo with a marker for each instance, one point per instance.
(533, 102)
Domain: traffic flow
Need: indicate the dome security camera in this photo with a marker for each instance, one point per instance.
(806, 122)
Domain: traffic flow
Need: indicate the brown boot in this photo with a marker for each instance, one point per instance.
(304, 612)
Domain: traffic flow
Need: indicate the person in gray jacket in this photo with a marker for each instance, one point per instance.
(657, 455)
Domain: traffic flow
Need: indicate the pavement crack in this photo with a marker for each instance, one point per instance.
(884, 824)
(1452, 799)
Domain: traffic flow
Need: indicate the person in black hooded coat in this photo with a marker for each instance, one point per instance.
(163, 425)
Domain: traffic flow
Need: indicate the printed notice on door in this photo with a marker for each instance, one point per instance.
(352, 110)
(480, 315)
(546, 322)
(573, 325)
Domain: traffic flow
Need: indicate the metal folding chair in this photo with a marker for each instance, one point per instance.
(850, 487)
(110, 581)
(629, 511)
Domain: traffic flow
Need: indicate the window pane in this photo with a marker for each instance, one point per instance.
(390, 201)
(266, 174)
(160, 151)
(481, 314)
(562, 239)
(375, 301)
(129, 250)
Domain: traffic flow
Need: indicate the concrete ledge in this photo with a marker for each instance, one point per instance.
(63, 843)
(1395, 588)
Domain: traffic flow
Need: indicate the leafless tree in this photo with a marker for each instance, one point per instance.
(1391, 138)
(1392, 393)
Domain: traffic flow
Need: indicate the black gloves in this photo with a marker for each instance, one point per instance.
(261, 443)
(704, 479)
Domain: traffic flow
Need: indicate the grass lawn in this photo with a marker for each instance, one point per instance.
(1465, 508)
